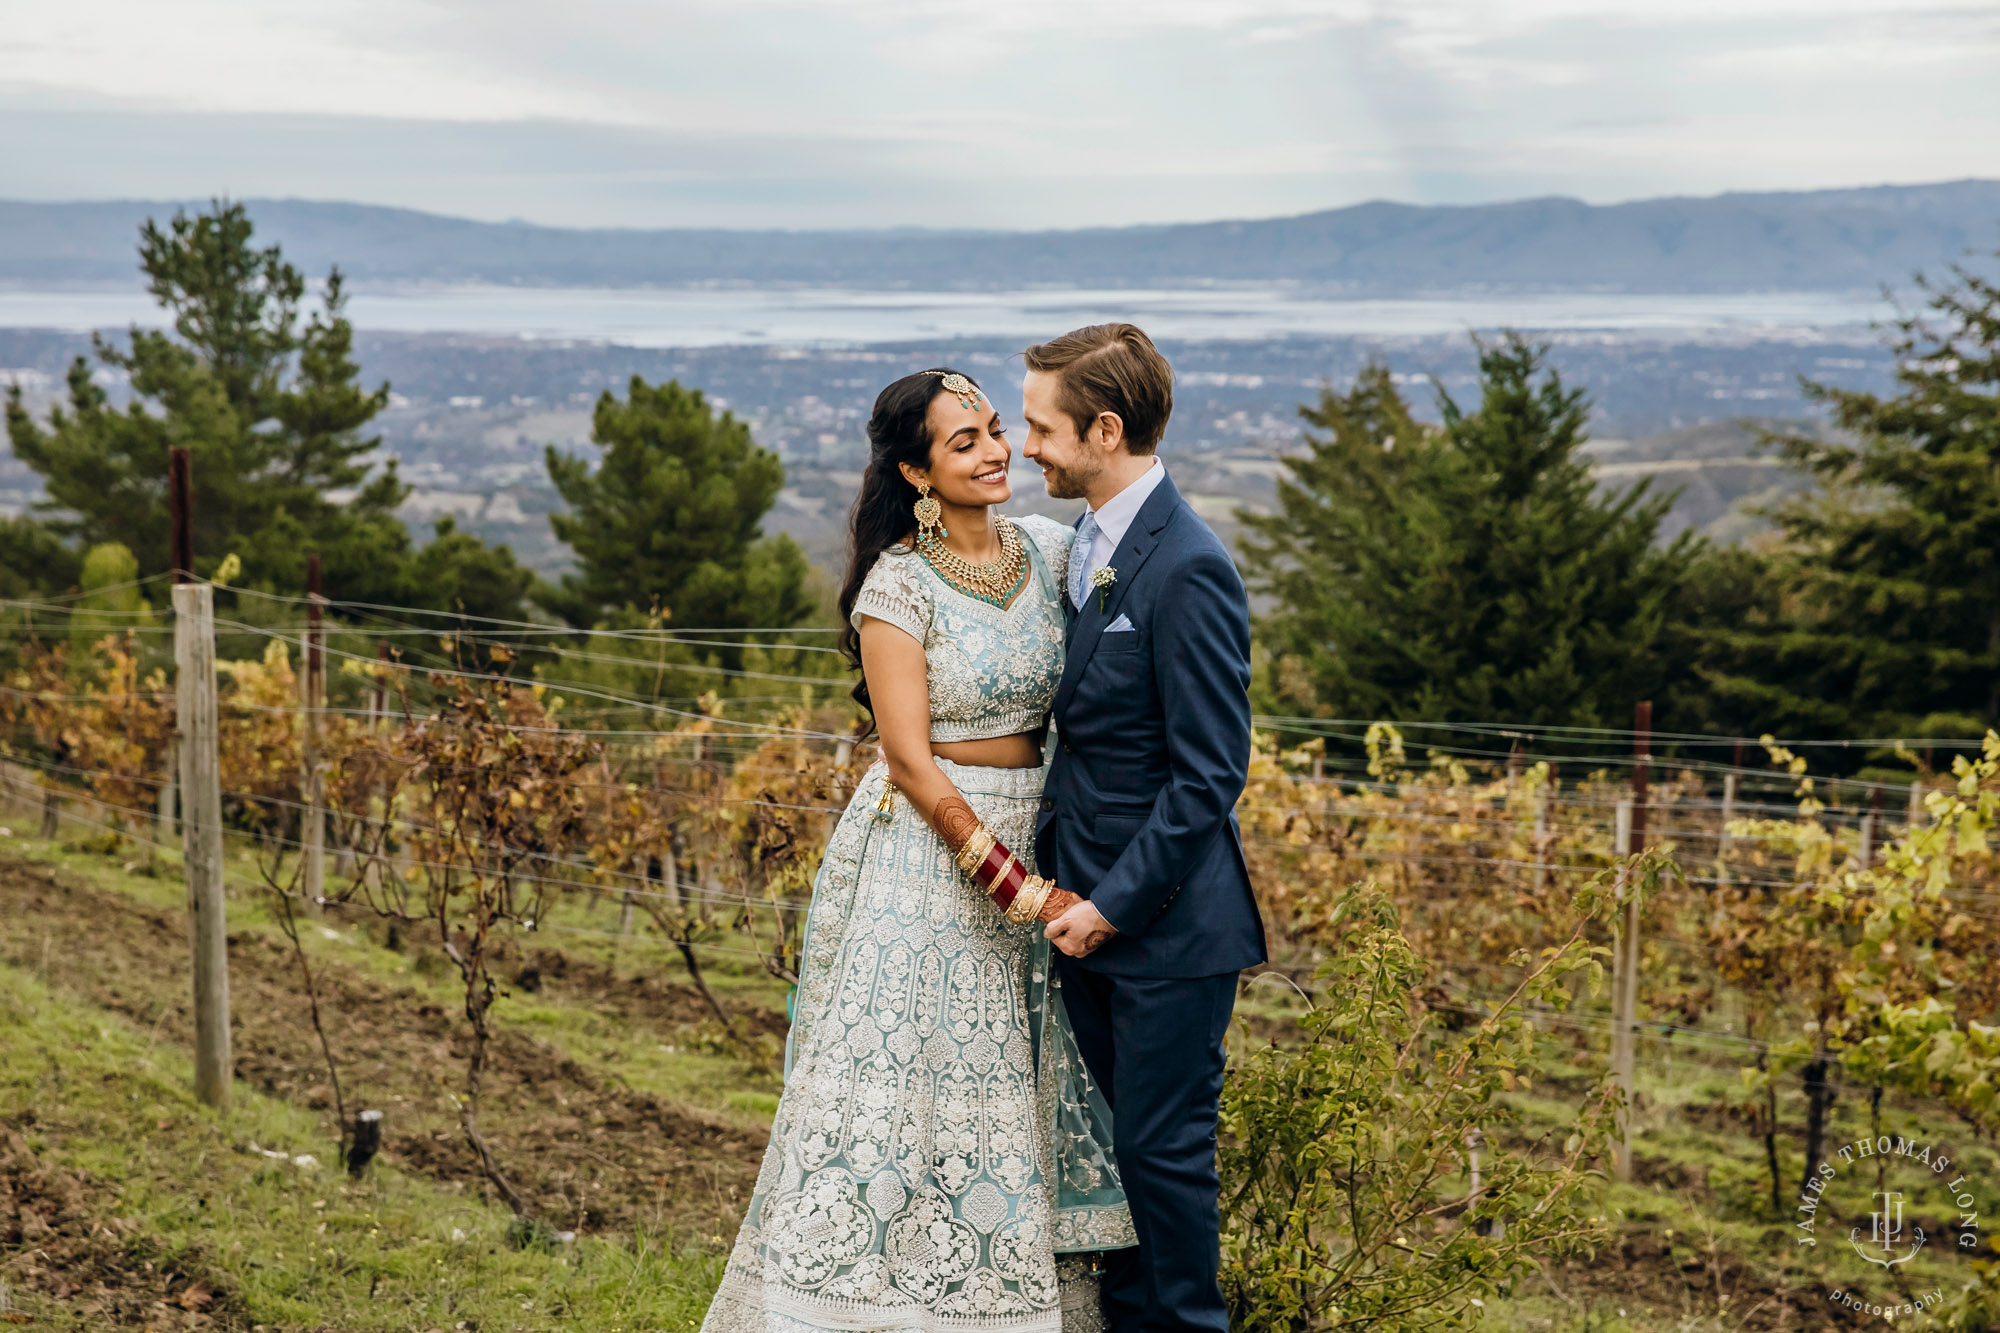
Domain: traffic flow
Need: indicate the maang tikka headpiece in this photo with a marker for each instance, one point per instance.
(968, 392)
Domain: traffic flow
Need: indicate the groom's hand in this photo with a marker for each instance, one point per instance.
(1081, 930)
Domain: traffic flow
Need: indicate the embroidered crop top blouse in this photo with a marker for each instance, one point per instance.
(992, 671)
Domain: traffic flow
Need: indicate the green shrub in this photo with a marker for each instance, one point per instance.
(1348, 1197)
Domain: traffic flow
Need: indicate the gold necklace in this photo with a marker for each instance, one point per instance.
(994, 583)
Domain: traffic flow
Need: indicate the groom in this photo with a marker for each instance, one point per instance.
(1153, 727)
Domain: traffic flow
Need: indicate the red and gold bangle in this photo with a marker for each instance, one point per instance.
(1001, 876)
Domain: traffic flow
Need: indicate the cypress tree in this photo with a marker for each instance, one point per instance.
(1467, 572)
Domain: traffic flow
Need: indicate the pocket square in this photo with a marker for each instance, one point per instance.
(1122, 625)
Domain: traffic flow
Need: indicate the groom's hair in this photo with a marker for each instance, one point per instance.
(1110, 368)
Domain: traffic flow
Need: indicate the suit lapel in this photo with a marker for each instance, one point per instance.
(1087, 624)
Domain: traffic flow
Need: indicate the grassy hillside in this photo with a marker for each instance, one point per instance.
(620, 1111)
(125, 1204)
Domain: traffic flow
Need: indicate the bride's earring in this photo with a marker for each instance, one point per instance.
(930, 516)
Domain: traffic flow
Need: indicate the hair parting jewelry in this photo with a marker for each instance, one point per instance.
(968, 393)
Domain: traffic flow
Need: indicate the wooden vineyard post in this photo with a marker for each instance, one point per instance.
(196, 734)
(1625, 957)
(163, 830)
(1541, 844)
(378, 718)
(1725, 841)
(312, 836)
(378, 700)
(1865, 853)
(1622, 1054)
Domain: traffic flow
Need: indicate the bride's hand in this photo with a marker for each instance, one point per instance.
(1058, 902)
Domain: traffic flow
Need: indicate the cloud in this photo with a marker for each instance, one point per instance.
(842, 112)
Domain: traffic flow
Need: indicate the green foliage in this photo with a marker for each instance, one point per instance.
(268, 401)
(111, 599)
(1889, 574)
(1465, 572)
(1920, 1027)
(34, 560)
(1348, 1200)
(1907, 989)
(1725, 591)
(670, 517)
(456, 571)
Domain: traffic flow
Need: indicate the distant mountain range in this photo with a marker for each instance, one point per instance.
(1818, 240)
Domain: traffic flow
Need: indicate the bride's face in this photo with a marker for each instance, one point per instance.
(969, 453)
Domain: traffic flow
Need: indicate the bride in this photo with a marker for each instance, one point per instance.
(939, 1159)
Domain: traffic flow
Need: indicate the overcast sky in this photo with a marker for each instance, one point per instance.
(1008, 113)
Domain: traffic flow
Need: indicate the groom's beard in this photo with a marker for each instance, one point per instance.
(1070, 483)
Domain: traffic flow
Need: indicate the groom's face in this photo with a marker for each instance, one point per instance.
(1069, 463)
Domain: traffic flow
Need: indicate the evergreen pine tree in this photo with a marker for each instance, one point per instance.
(670, 516)
(1886, 618)
(1466, 572)
(458, 572)
(35, 561)
(269, 404)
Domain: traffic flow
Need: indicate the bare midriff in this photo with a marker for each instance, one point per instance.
(1021, 750)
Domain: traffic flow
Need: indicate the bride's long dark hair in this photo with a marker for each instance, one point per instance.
(898, 432)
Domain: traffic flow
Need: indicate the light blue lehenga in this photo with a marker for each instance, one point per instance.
(939, 1159)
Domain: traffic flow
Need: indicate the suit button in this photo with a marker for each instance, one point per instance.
(1065, 747)
(1048, 806)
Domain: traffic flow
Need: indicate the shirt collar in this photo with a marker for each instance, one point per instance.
(1118, 512)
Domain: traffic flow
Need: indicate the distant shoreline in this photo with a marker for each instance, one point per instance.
(714, 315)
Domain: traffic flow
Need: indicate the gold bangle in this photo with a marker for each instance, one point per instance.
(1042, 891)
(998, 879)
(1017, 913)
(1028, 903)
(977, 846)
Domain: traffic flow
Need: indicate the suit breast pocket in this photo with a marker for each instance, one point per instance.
(1120, 641)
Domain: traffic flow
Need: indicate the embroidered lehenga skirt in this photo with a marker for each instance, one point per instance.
(939, 1158)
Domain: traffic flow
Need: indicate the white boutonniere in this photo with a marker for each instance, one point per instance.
(1102, 580)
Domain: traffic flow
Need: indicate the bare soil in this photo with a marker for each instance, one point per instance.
(594, 1153)
(58, 1238)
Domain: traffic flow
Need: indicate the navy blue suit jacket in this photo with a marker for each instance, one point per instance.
(1153, 749)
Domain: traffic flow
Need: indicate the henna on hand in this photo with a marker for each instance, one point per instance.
(1059, 901)
(954, 821)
